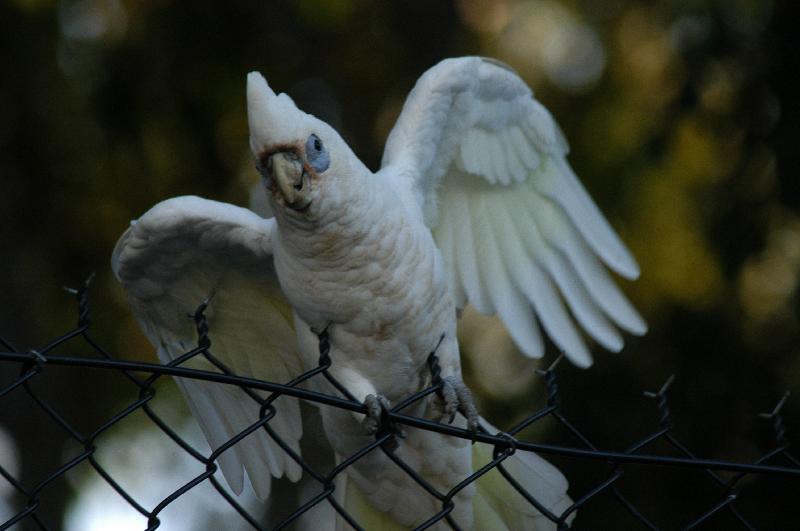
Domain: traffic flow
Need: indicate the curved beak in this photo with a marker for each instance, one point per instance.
(288, 176)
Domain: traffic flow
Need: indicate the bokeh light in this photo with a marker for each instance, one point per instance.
(682, 124)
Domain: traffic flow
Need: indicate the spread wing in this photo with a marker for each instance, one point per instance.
(518, 232)
(175, 256)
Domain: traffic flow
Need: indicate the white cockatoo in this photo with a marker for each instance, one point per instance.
(474, 203)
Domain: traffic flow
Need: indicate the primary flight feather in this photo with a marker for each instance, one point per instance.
(474, 203)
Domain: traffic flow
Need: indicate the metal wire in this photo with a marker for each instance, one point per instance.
(778, 461)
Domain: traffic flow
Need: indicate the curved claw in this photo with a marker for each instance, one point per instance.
(455, 397)
(377, 422)
(376, 405)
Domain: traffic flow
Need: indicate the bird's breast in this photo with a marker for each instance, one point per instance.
(378, 281)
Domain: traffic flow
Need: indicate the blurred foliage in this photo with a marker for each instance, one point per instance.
(682, 122)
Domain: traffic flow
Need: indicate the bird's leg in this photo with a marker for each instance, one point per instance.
(356, 387)
(454, 396)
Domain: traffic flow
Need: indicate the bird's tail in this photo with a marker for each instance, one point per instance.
(497, 505)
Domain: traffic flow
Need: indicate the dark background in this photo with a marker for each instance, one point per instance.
(682, 118)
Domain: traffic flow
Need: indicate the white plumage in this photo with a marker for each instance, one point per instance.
(475, 203)
(495, 169)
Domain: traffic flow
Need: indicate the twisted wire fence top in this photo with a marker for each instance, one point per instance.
(723, 477)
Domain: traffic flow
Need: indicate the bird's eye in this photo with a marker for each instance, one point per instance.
(317, 155)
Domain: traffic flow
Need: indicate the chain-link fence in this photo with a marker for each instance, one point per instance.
(723, 477)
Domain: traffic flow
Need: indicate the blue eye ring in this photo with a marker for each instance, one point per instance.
(316, 154)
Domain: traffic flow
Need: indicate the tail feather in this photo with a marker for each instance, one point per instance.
(497, 498)
(497, 505)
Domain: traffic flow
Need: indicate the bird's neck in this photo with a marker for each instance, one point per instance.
(345, 221)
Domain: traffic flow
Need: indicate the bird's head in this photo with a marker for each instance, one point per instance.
(301, 158)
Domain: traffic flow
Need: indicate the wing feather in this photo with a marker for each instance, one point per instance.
(560, 234)
(542, 244)
(179, 254)
(523, 148)
(214, 427)
(539, 289)
(448, 248)
(510, 304)
(483, 151)
(467, 263)
(518, 317)
(519, 234)
(518, 171)
(500, 163)
(472, 152)
(558, 181)
(584, 308)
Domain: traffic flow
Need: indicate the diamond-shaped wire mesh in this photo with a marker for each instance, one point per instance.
(724, 477)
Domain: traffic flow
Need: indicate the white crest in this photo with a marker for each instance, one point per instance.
(274, 119)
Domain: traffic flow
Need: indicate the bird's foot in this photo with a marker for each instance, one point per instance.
(377, 421)
(454, 397)
(376, 406)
